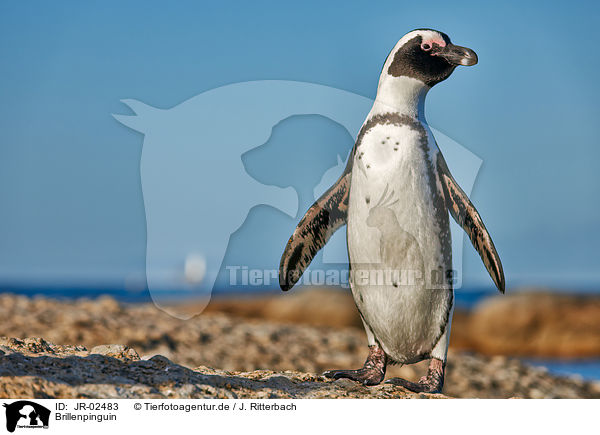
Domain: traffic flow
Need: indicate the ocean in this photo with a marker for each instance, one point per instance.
(588, 368)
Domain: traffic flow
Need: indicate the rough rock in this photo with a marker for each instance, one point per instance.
(524, 322)
(233, 344)
(536, 324)
(35, 368)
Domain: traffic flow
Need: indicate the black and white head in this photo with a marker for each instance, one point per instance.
(428, 56)
(421, 59)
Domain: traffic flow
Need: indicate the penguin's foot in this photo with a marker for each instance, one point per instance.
(432, 382)
(372, 372)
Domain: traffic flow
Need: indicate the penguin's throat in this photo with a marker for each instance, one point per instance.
(404, 95)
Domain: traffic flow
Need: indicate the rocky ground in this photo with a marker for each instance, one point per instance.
(251, 357)
(36, 368)
(525, 322)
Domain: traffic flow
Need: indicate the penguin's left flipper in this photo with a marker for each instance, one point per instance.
(317, 226)
(466, 215)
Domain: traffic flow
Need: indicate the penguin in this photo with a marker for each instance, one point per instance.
(395, 197)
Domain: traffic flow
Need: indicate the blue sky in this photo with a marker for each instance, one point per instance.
(70, 192)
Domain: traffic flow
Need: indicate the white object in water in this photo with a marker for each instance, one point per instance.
(195, 268)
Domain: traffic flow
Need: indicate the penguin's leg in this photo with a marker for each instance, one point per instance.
(432, 382)
(372, 371)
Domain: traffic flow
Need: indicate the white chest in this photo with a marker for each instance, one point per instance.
(392, 214)
(390, 154)
(397, 239)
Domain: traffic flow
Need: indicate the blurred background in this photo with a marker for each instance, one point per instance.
(73, 221)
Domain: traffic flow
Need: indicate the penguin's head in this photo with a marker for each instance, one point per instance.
(426, 55)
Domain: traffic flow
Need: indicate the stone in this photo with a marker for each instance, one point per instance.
(199, 357)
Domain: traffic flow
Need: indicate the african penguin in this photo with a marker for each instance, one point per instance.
(394, 196)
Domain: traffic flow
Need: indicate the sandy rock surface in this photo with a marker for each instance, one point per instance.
(524, 322)
(36, 368)
(240, 350)
(536, 324)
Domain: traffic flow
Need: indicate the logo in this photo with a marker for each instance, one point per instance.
(227, 175)
(26, 414)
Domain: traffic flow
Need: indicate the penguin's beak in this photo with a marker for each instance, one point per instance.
(457, 55)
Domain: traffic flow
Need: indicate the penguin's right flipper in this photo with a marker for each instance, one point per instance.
(317, 226)
(465, 214)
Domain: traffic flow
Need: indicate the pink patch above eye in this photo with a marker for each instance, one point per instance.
(437, 41)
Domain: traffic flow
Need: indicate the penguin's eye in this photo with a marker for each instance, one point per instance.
(426, 46)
